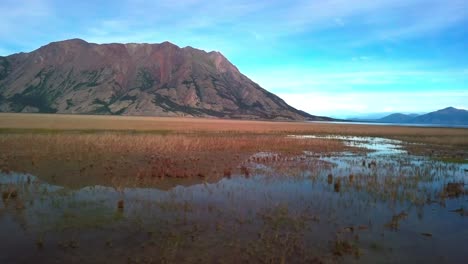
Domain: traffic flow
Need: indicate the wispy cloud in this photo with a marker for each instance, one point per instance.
(19, 12)
(347, 104)
(296, 48)
(299, 80)
(22, 22)
(380, 19)
(428, 19)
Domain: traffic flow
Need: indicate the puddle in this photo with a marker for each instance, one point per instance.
(376, 146)
(348, 207)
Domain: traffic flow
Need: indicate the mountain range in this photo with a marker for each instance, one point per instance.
(397, 118)
(75, 76)
(446, 116)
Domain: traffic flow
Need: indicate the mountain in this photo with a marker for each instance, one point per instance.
(397, 118)
(368, 116)
(75, 76)
(446, 116)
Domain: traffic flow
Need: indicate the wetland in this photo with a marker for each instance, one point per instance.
(217, 191)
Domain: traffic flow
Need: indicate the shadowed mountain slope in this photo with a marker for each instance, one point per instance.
(75, 76)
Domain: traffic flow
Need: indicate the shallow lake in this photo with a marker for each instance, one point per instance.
(390, 124)
(379, 206)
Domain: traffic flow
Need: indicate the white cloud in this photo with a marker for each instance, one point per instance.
(227, 21)
(346, 104)
(22, 15)
(362, 58)
(344, 93)
(300, 79)
(378, 20)
(339, 22)
(4, 51)
(464, 107)
(436, 16)
(245, 27)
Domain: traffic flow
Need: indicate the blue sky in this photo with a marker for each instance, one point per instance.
(330, 57)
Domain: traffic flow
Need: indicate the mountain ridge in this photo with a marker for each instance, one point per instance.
(75, 76)
(397, 118)
(449, 115)
(446, 116)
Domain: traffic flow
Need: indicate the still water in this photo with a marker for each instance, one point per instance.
(379, 206)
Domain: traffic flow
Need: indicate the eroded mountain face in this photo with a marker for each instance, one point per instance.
(75, 76)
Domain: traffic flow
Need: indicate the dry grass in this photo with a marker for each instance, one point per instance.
(149, 148)
(53, 122)
(77, 151)
(119, 159)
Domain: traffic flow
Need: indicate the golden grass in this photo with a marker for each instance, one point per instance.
(75, 159)
(190, 125)
(55, 122)
(152, 148)
(77, 151)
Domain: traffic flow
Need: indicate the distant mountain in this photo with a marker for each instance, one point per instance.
(397, 118)
(75, 76)
(368, 116)
(446, 116)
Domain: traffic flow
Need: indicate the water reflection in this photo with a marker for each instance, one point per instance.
(384, 204)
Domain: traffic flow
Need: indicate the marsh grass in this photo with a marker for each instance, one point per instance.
(282, 199)
(47, 123)
(182, 226)
(440, 143)
(75, 159)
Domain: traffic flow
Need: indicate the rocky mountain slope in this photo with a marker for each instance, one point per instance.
(75, 76)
